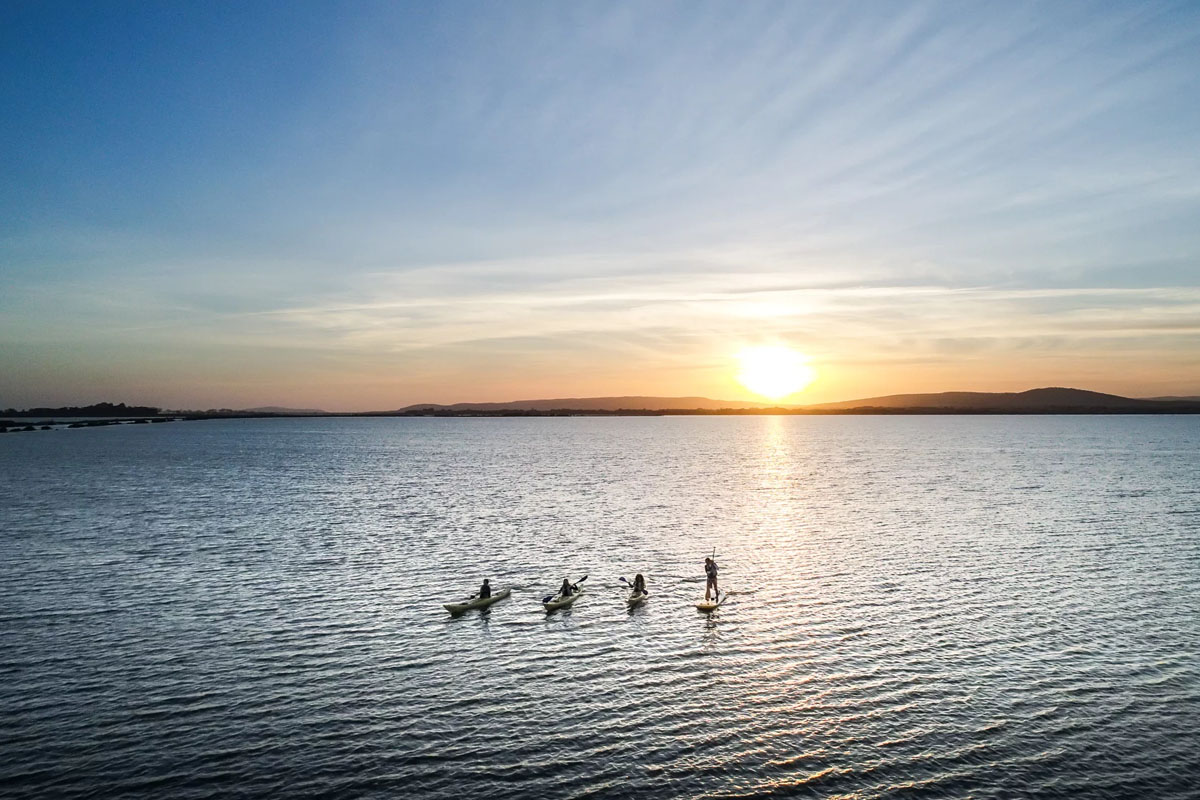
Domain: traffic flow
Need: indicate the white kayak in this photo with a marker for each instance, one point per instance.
(712, 606)
(562, 602)
(475, 602)
(636, 599)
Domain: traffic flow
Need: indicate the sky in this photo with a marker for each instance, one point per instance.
(361, 205)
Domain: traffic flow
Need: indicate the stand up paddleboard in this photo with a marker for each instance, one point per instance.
(478, 602)
(706, 606)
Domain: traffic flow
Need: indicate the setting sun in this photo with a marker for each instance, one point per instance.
(774, 371)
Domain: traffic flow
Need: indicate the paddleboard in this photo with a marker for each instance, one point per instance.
(478, 602)
(706, 606)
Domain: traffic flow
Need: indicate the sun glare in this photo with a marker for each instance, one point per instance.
(774, 371)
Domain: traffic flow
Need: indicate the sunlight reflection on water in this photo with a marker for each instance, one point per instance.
(985, 607)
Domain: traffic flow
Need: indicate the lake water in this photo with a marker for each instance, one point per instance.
(983, 607)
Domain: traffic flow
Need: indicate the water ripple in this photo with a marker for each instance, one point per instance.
(935, 607)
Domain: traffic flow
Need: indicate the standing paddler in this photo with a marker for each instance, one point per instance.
(710, 571)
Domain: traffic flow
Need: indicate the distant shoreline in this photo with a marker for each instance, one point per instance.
(18, 424)
(1032, 402)
(780, 412)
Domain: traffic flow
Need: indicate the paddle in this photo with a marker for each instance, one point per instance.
(574, 586)
(630, 585)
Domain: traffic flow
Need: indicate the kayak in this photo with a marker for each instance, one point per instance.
(562, 602)
(477, 602)
(707, 606)
(636, 599)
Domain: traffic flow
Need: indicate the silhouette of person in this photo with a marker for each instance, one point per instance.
(710, 570)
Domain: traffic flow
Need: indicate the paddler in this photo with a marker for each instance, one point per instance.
(639, 584)
(710, 570)
(567, 589)
(485, 591)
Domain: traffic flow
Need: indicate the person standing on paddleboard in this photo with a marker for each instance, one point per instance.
(485, 591)
(710, 570)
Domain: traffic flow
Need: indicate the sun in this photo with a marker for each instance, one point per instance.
(774, 371)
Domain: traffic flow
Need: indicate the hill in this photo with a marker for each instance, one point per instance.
(1052, 400)
(1048, 399)
(629, 403)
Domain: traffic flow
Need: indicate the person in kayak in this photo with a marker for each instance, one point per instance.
(485, 591)
(567, 589)
(639, 584)
(710, 570)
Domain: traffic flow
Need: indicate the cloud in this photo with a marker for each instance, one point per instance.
(645, 185)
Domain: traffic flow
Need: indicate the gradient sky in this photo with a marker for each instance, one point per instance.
(363, 205)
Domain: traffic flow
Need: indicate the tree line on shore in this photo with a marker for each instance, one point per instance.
(95, 410)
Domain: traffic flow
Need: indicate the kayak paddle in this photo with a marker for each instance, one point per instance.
(574, 585)
(643, 593)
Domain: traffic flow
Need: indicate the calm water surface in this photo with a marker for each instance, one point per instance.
(983, 607)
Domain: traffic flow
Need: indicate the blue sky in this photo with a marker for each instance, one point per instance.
(363, 205)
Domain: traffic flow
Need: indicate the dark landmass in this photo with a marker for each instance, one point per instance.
(1047, 400)
(253, 413)
(1053, 400)
(606, 404)
(1035, 401)
(97, 410)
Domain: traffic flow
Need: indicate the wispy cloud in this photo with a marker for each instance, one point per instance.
(440, 192)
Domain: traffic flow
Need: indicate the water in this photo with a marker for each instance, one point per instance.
(984, 607)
